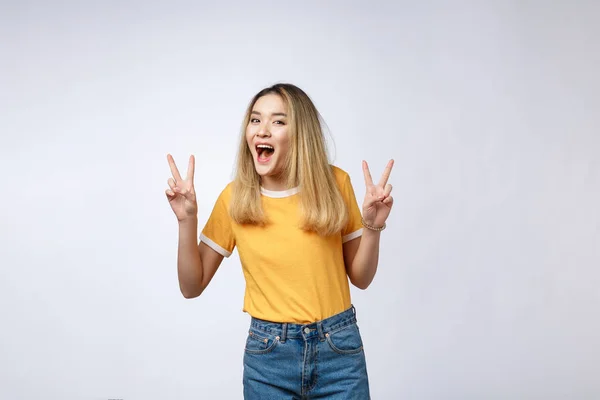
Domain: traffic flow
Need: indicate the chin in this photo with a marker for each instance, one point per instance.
(264, 171)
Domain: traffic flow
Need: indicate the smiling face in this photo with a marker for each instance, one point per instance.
(268, 138)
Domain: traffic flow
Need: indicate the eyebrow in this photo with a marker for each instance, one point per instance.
(274, 114)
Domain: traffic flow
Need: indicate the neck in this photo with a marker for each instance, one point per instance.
(273, 183)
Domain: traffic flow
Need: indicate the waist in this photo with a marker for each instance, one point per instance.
(306, 331)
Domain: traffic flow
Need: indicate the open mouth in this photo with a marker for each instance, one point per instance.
(264, 152)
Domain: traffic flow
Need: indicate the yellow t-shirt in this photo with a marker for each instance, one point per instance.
(291, 275)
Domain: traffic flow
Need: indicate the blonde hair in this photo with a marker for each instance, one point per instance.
(307, 167)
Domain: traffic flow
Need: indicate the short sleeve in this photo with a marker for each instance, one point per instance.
(353, 228)
(218, 233)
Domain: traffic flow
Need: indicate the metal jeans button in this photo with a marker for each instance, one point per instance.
(307, 330)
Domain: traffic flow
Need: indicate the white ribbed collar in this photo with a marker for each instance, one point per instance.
(279, 194)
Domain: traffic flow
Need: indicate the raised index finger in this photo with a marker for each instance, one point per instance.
(386, 173)
(367, 173)
(174, 169)
(190, 171)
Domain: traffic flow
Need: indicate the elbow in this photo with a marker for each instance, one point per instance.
(361, 274)
(361, 284)
(191, 294)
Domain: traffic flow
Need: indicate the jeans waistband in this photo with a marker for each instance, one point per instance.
(306, 331)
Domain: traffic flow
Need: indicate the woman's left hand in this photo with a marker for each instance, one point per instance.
(378, 202)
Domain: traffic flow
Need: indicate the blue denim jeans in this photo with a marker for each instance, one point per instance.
(321, 360)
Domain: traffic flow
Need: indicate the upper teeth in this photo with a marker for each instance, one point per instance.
(264, 146)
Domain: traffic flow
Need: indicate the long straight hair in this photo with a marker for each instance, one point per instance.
(306, 166)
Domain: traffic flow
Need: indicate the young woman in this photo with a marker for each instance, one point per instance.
(299, 233)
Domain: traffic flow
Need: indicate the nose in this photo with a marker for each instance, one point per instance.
(263, 131)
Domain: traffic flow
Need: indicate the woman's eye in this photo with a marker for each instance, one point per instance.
(254, 120)
(279, 122)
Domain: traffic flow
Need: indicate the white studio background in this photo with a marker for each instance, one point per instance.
(489, 270)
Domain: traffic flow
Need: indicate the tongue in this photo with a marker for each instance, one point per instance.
(266, 154)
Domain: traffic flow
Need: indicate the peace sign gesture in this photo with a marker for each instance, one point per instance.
(378, 202)
(181, 194)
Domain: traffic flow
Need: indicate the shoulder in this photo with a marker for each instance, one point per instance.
(228, 189)
(341, 176)
(225, 194)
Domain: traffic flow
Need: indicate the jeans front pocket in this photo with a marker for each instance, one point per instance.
(259, 342)
(346, 340)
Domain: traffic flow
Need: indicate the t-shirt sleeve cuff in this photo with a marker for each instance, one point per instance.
(352, 235)
(214, 246)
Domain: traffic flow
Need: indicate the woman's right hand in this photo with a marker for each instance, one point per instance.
(181, 193)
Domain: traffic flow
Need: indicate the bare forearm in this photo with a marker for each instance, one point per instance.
(189, 263)
(364, 265)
